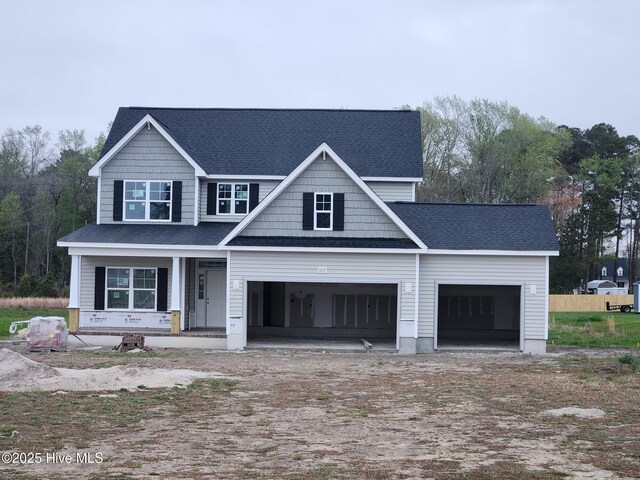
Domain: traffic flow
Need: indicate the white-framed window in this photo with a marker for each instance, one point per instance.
(233, 198)
(131, 288)
(323, 211)
(147, 200)
(604, 271)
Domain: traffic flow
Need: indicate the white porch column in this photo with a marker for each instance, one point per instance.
(74, 283)
(74, 294)
(175, 284)
(175, 295)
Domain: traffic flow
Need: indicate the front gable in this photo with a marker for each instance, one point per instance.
(146, 156)
(291, 210)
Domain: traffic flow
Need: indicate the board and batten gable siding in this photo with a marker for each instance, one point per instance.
(147, 156)
(484, 270)
(340, 268)
(393, 191)
(362, 217)
(89, 264)
(265, 188)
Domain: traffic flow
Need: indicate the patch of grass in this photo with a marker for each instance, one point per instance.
(595, 329)
(630, 359)
(8, 315)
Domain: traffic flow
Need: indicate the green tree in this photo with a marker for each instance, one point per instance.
(11, 230)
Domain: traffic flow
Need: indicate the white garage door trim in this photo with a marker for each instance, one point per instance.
(266, 278)
(522, 286)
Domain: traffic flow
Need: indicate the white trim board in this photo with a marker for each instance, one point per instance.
(498, 253)
(323, 149)
(393, 179)
(147, 119)
(322, 250)
(141, 251)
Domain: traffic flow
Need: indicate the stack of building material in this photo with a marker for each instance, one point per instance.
(47, 334)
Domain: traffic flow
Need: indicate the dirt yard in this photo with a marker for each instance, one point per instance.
(288, 415)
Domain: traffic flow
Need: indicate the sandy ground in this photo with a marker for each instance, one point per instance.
(370, 415)
(18, 373)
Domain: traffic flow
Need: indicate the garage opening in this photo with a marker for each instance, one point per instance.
(479, 314)
(322, 310)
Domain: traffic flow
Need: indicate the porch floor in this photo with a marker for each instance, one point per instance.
(334, 344)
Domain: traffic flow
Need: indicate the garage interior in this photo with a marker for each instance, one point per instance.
(322, 310)
(478, 314)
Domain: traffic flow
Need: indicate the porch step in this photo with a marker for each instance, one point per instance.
(213, 333)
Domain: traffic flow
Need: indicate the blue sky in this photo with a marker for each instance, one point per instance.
(71, 64)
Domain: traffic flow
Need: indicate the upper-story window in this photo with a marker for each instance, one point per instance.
(233, 198)
(147, 200)
(323, 213)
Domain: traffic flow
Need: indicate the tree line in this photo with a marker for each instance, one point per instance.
(481, 151)
(45, 193)
(476, 151)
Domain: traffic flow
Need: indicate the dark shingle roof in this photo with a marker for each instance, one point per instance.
(328, 242)
(479, 227)
(374, 143)
(205, 234)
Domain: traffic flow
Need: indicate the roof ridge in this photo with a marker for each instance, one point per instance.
(471, 204)
(138, 107)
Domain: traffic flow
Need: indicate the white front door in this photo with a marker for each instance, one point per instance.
(211, 296)
(216, 293)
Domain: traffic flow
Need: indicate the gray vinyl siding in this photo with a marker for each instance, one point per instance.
(265, 188)
(393, 191)
(87, 273)
(341, 268)
(362, 217)
(479, 269)
(147, 156)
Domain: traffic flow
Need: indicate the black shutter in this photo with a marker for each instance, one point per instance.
(338, 212)
(254, 190)
(98, 288)
(163, 288)
(307, 211)
(176, 202)
(117, 200)
(212, 193)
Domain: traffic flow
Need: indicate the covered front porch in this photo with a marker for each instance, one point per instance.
(158, 296)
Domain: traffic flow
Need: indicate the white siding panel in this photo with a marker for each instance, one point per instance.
(341, 268)
(362, 217)
(147, 156)
(479, 269)
(87, 273)
(393, 191)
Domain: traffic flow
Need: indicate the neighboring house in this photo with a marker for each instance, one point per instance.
(220, 225)
(621, 269)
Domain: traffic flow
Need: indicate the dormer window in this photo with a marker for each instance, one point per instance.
(147, 200)
(604, 271)
(233, 198)
(323, 214)
(620, 271)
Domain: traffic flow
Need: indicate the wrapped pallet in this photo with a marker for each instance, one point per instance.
(47, 334)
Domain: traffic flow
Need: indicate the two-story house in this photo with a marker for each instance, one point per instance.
(223, 225)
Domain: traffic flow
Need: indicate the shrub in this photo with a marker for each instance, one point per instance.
(27, 286)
